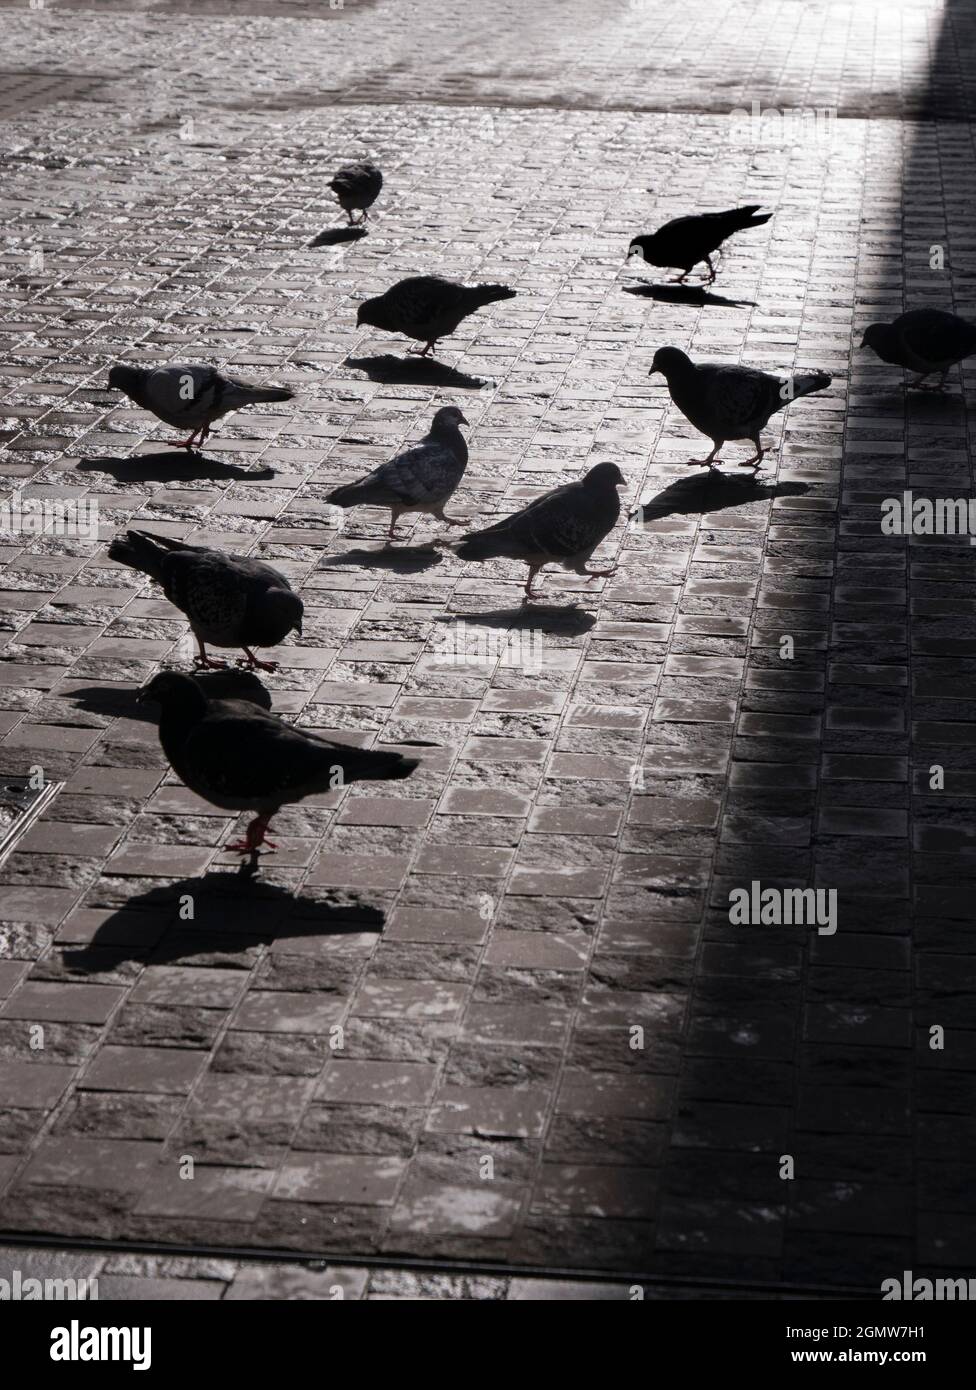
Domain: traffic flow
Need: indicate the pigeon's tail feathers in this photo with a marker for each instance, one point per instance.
(269, 393)
(349, 495)
(374, 765)
(141, 551)
(809, 382)
(487, 294)
(479, 545)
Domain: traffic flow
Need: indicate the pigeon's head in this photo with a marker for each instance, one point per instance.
(640, 246)
(172, 689)
(448, 417)
(605, 475)
(669, 360)
(279, 612)
(366, 313)
(877, 336)
(127, 379)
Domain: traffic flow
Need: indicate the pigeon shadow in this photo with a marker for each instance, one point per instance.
(334, 236)
(404, 559)
(171, 467)
(567, 620)
(232, 913)
(414, 371)
(695, 295)
(231, 684)
(715, 492)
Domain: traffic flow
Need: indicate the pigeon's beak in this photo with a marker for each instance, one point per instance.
(654, 371)
(142, 695)
(298, 629)
(462, 420)
(864, 341)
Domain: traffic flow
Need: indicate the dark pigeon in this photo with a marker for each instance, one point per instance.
(426, 307)
(563, 527)
(188, 395)
(727, 402)
(681, 244)
(924, 341)
(240, 758)
(357, 186)
(230, 600)
(421, 479)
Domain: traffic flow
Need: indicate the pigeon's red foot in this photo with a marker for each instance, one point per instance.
(422, 352)
(254, 838)
(254, 663)
(209, 663)
(601, 574)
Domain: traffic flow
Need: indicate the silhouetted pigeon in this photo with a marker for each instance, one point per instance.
(924, 341)
(426, 307)
(727, 402)
(563, 526)
(240, 758)
(230, 600)
(357, 186)
(681, 244)
(188, 395)
(421, 479)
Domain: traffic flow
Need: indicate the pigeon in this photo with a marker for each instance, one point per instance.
(421, 479)
(924, 341)
(190, 395)
(728, 402)
(426, 307)
(563, 526)
(681, 244)
(357, 186)
(241, 758)
(230, 600)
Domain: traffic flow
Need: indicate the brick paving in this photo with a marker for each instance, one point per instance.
(487, 934)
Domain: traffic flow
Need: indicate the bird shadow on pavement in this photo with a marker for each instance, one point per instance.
(715, 492)
(568, 620)
(414, 371)
(174, 466)
(334, 236)
(116, 701)
(695, 295)
(233, 912)
(404, 559)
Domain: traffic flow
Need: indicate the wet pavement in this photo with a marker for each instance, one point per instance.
(495, 1014)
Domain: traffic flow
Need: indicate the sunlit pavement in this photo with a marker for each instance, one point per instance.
(555, 1051)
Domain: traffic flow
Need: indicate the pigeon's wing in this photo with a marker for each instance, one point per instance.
(423, 298)
(560, 524)
(736, 398)
(357, 178)
(937, 338)
(239, 752)
(184, 393)
(427, 473)
(210, 591)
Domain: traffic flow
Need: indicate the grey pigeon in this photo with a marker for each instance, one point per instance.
(230, 600)
(924, 341)
(421, 479)
(241, 758)
(426, 307)
(563, 526)
(190, 395)
(727, 402)
(357, 186)
(681, 244)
